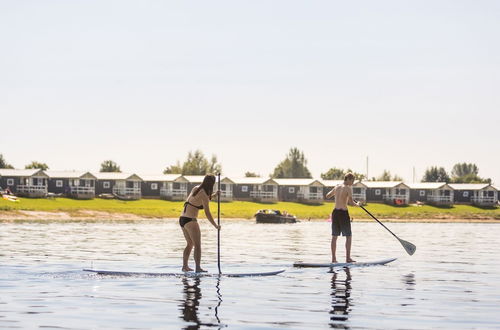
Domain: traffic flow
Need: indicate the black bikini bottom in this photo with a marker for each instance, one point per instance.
(184, 220)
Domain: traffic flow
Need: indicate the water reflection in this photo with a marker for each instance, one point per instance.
(341, 301)
(191, 303)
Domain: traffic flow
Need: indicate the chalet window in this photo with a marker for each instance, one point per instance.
(466, 194)
(59, 183)
(313, 190)
(106, 184)
(377, 192)
(244, 188)
(356, 190)
(422, 192)
(490, 193)
(291, 190)
(10, 182)
(154, 186)
(447, 193)
(176, 185)
(223, 187)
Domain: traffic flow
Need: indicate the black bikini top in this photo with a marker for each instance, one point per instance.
(186, 203)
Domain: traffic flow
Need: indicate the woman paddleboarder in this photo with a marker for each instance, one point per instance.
(198, 199)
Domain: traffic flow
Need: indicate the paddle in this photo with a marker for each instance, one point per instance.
(409, 247)
(218, 222)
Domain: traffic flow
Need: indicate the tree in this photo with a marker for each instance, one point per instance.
(467, 173)
(436, 174)
(3, 163)
(109, 166)
(333, 174)
(251, 175)
(339, 174)
(173, 169)
(294, 166)
(37, 165)
(196, 164)
(386, 176)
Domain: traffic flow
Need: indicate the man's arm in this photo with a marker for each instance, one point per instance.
(331, 193)
(350, 201)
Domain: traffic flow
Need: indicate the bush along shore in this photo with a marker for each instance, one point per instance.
(154, 208)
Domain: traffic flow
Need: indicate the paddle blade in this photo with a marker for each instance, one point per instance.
(409, 247)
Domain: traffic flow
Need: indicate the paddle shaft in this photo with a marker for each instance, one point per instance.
(378, 221)
(218, 222)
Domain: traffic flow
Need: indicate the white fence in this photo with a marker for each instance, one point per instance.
(264, 194)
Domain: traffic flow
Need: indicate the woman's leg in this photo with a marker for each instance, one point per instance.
(187, 251)
(193, 230)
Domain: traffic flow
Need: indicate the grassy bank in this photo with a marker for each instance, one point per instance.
(238, 209)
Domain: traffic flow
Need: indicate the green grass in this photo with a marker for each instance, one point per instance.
(239, 209)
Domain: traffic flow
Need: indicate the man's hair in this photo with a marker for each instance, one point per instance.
(349, 176)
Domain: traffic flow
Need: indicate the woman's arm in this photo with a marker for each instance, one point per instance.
(206, 208)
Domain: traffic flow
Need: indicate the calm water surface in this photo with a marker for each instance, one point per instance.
(453, 280)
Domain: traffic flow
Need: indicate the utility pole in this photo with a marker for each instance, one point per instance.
(367, 168)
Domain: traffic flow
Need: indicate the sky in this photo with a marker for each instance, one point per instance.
(406, 84)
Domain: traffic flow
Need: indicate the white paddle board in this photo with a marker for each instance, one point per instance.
(344, 264)
(187, 274)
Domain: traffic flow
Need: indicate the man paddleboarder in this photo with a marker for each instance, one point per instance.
(341, 222)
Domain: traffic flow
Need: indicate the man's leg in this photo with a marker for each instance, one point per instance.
(348, 242)
(334, 248)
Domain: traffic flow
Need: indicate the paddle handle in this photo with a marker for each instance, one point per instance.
(218, 222)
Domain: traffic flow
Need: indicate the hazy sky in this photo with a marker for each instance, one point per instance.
(406, 83)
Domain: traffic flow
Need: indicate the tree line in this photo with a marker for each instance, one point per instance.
(293, 166)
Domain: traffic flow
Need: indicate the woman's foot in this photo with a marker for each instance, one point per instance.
(334, 261)
(350, 260)
(199, 270)
(187, 269)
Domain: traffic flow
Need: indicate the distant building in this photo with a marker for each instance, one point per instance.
(176, 188)
(226, 185)
(391, 192)
(300, 190)
(437, 193)
(29, 183)
(121, 185)
(358, 189)
(256, 189)
(79, 185)
(159, 185)
(480, 194)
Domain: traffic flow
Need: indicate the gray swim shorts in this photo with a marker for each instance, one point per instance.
(341, 223)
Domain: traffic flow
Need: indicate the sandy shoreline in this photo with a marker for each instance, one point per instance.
(88, 215)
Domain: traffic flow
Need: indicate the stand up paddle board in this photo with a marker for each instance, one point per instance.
(187, 274)
(344, 264)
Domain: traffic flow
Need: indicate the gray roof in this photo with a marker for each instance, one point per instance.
(333, 183)
(428, 185)
(160, 177)
(256, 180)
(116, 176)
(296, 182)
(469, 186)
(69, 174)
(383, 184)
(21, 173)
(194, 178)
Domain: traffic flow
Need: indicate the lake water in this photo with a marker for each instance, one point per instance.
(452, 281)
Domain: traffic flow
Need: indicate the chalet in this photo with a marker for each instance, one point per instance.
(481, 194)
(121, 185)
(79, 185)
(392, 192)
(226, 185)
(256, 189)
(29, 183)
(358, 189)
(176, 188)
(157, 185)
(437, 193)
(300, 190)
